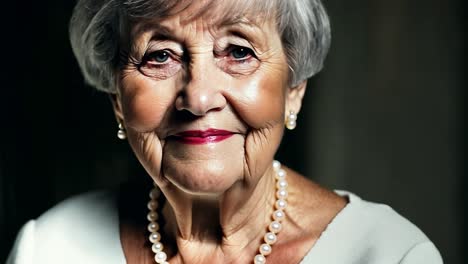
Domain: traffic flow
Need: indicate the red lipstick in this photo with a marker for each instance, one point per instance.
(198, 137)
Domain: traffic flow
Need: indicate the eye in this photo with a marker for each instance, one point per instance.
(160, 64)
(159, 56)
(240, 53)
(237, 60)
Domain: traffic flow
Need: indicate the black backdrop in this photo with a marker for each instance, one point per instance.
(58, 134)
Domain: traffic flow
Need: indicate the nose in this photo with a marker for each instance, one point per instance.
(202, 91)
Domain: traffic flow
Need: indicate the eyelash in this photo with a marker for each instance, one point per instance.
(151, 67)
(250, 53)
(149, 56)
(230, 51)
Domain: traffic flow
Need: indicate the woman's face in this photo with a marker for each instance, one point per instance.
(203, 101)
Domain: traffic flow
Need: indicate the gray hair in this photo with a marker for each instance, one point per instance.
(98, 26)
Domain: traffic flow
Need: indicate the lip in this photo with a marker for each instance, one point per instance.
(199, 137)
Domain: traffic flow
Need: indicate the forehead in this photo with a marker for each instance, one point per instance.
(215, 13)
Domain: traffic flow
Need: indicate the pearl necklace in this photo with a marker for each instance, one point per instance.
(269, 238)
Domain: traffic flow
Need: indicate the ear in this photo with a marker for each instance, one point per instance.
(294, 97)
(117, 106)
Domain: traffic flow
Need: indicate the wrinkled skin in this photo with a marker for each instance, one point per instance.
(209, 89)
(199, 74)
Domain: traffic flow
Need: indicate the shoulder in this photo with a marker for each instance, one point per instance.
(379, 222)
(367, 232)
(88, 208)
(63, 233)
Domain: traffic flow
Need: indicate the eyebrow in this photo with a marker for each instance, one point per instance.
(151, 26)
(244, 28)
(233, 22)
(235, 25)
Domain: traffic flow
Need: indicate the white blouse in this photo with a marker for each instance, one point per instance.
(85, 229)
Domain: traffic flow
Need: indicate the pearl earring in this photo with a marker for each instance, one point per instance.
(291, 120)
(121, 133)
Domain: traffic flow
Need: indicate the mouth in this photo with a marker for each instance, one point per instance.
(199, 137)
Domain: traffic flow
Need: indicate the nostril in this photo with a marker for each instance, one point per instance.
(185, 116)
(197, 107)
(219, 108)
(200, 97)
(196, 102)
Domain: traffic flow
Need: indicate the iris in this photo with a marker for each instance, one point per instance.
(240, 52)
(160, 56)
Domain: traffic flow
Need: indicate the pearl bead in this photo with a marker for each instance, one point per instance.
(275, 227)
(281, 204)
(259, 259)
(292, 116)
(278, 215)
(160, 257)
(154, 194)
(155, 237)
(282, 194)
(291, 124)
(276, 165)
(157, 247)
(152, 205)
(265, 249)
(152, 216)
(153, 227)
(280, 174)
(281, 184)
(121, 134)
(270, 238)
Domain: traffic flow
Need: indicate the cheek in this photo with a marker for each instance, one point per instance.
(260, 100)
(145, 103)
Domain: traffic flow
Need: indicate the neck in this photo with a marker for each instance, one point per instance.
(219, 229)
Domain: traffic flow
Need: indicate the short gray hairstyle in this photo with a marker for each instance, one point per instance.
(97, 28)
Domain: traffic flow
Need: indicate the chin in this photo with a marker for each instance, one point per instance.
(209, 177)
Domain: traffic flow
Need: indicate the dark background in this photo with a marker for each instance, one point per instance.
(385, 119)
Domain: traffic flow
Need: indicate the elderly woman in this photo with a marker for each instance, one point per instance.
(202, 91)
